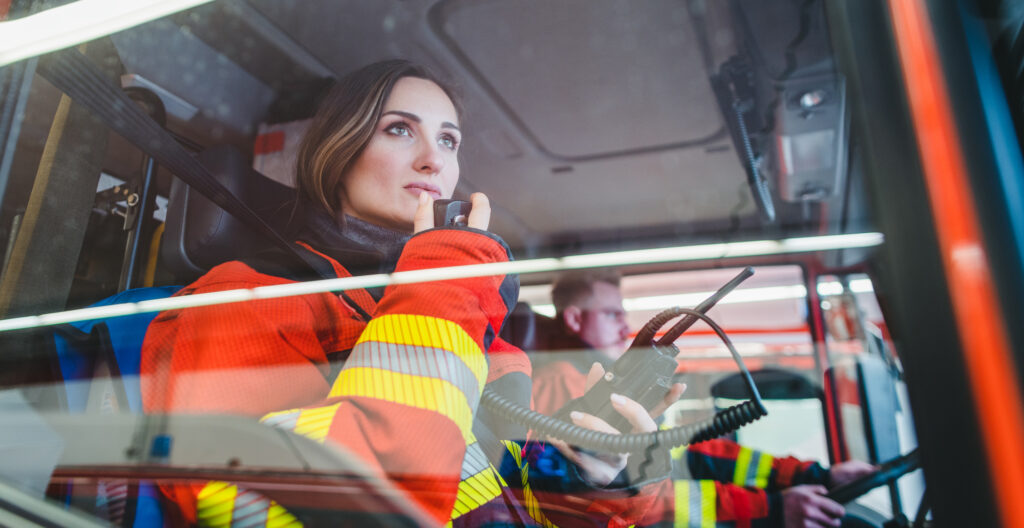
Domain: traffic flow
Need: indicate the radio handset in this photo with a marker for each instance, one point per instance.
(645, 372)
(633, 374)
(449, 213)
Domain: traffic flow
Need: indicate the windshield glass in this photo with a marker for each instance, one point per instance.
(234, 288)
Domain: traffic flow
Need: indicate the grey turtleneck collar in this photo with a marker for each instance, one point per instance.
(358, 245)
(371, 237)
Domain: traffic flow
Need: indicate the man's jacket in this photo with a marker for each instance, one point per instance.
(715, 483)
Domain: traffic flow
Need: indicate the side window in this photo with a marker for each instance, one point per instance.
(870, 396)
(766, 318)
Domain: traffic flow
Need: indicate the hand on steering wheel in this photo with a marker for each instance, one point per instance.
(849, 471)
(888, 472)
(806, 506)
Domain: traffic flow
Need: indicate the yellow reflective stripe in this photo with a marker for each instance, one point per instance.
(278, 517)
(533, 508)
(215, 507)
(695, 504)
(708, 500)
(682, 504)
(431, 394)
(315, 422)
(532, 504)
(312, 423)
(764, 470)
(421, 330)
(475, 491)
(739, 475)
(216, 503)
(516, 450)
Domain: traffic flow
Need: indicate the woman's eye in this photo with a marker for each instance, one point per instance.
(398, 129)
(448, 142)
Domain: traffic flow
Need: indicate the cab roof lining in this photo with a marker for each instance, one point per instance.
(585, 119)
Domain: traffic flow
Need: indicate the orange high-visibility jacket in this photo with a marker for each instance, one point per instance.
(405, 399)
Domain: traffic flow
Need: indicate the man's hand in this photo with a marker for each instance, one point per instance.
(807, 507)
(849, 471)
(601, 468)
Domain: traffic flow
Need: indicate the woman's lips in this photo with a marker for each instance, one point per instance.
(420, 187)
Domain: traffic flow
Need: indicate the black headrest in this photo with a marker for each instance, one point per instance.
(199, 235)
(772, 383)
(520, 328)
(527, 329)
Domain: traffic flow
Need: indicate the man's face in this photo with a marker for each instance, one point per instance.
(602, 320)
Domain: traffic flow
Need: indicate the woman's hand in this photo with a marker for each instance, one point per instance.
(601, 468)
(479, 215)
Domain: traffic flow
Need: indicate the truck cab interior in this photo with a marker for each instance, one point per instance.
(862, 156)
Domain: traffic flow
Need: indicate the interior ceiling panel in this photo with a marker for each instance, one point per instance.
(347, 34)
(587, 77)
(650, 190)
(582, 115)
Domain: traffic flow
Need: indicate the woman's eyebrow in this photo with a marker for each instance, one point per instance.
(416, 119)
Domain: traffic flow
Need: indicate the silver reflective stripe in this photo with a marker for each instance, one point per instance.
(755, 458)
(474, 462)
(417, 361)
(694, 504)
(250, 510)
(286, 420)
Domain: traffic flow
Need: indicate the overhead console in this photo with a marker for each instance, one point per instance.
(785, 103)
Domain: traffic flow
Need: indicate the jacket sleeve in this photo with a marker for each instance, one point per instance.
(231, 358)
(405, 400)
(555, 493)
(709, 503)
(726, 461)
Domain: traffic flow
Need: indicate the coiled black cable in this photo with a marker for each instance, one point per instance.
(758, 183)
(724, 422)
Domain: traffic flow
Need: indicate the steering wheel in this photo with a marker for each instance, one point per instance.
(888, 472)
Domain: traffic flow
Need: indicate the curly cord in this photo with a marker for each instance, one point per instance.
(724, 422)
(763, 196)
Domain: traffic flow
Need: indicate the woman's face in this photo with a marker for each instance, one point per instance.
(412, 151)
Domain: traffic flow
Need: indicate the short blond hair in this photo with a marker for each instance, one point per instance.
(573, 287)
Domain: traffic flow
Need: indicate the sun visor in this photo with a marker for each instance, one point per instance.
(594, 78)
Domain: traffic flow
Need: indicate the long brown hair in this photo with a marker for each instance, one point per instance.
(343, 125)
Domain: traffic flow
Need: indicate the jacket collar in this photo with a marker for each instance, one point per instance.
(361, 247)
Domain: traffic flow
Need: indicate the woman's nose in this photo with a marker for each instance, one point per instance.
(429, 160)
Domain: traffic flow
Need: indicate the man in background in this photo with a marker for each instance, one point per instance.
(745, 486)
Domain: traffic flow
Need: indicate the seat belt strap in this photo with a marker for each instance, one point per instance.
(75, 75)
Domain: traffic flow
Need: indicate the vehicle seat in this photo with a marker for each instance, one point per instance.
(199, 234)
(772, 384)
(521, 327)
(99, 360)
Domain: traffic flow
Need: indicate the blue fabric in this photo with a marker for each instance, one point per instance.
(126, 335)
(147, 507)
